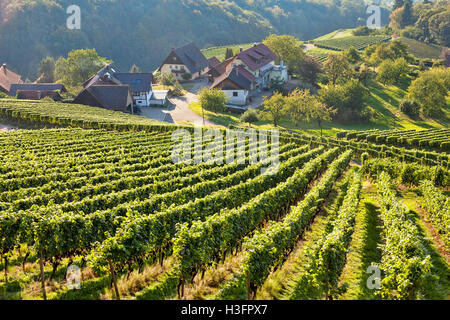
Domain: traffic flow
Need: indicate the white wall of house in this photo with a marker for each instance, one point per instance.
(237, 97)
(143, 100)
(175, 67)
(279, 73)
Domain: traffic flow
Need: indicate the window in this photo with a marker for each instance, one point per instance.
(235, 93)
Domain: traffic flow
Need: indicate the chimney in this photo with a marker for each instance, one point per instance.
(4, 67)
(241, 49)
(254, 44)
(172, 48)
(237, 71)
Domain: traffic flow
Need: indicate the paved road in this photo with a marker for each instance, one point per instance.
(179, 111)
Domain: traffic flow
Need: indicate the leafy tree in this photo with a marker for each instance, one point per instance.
(391, 72)
(213, 100)
(410, 108)
(347, 98)
(167, 79)
(299, 105)
(310, 69)
(320, 112)
(134, 69)
(250, 116)
(46, 70)
(430, 90)
(79, 66)
(352, 55)
(361, 31)
(287, 48)
(177, 89)
(274, 108)
(337, 67)
(229, 53)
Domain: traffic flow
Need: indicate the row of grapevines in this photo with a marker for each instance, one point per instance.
(437, 206)
(406, 173)
(154, 233)
(65, 234)
(271, 246)
(328, 257)
(205, 242)
(405, 262)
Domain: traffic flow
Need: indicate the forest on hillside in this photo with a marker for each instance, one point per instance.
(142, 32)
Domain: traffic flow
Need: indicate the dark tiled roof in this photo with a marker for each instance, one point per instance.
(7, 78)
(213, 62)
(114, 97)
(35, 87)
(257, 56)
(111, 97)
(192, 57)
(138, 82)
(237, 75)
(109, 70)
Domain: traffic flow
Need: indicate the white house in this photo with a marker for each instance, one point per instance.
(140, 85)
(250, 70)
(187, 60)
(236, 82)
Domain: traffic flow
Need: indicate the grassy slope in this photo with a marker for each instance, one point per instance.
(422, 50)
(384, 99)
(219, 52)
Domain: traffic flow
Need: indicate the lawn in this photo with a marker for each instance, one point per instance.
(384, 100)
(422, 50)
(219, 52)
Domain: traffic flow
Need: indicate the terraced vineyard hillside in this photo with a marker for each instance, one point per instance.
(344, 43)
(140, 226)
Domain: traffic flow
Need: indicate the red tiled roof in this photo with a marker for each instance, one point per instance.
(257, 56)
(7, 78)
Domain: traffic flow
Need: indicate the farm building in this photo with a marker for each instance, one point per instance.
(8, 78)
(187, 61)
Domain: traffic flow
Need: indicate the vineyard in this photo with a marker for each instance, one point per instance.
(434, 139)
(138, 226)
(344, 43)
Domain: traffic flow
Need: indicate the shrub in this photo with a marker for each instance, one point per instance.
(167, 79)
(410, 108)
(3, 95)
(250, 116)
(187, 76)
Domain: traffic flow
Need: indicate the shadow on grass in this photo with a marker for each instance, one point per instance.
(370, 251)
(437, 287)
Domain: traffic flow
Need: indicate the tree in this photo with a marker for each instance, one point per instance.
(298, 105)
(430, 90)
(213, 99)
(274, 108)
(177, 89)
(287, 48)
(167, 79)
(229, 53)
(391, 72)
(310, 69)
(361, 31)
(410, 108)
(250, 116)
(46, 70)
(337, 68)
(347, 98)
(79, 66)
(134, 69)
(320, 112)
(353, 55)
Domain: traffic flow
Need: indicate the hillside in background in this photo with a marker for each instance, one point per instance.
(142, 32)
